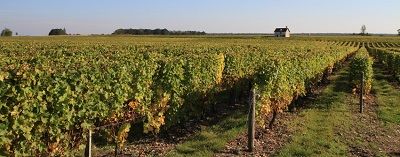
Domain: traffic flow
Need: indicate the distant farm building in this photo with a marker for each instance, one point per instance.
(282, 32)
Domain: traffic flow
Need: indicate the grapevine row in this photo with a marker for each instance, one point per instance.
(52, 91)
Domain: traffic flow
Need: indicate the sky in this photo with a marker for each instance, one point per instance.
(38, 17)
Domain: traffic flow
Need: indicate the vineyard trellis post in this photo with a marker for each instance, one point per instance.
(117, 150)
(88, 149)
(362, 93)
(251, 118)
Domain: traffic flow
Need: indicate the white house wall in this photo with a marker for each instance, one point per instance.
(287, 34)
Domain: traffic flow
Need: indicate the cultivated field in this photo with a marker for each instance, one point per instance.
(187, 95)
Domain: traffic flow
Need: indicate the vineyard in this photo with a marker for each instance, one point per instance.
(54, 89)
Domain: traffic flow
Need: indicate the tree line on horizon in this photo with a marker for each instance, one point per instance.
(164, 31)
(6, 32)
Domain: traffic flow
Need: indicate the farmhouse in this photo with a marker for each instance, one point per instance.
(282, 32)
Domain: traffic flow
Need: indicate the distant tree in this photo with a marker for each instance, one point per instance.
(398, 31)
(363, 30)
(16, 33)
(6, 33)
(58, 32)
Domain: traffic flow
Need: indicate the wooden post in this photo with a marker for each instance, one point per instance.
(88, 149)
(116, 141)
(251, 119)
(362, 93)
(116, 150)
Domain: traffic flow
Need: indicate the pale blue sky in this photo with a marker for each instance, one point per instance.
(37, 17)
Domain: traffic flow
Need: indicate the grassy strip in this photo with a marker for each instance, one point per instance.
(214, 138)
(388, 98)
(333, 127)
(315, 127)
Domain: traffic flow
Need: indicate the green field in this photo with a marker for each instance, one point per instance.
(54, 89)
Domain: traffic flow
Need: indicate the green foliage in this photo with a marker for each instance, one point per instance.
(53, 90)
(362, 63)
(390, 58)
(51, 95)
(6, 32)
(284, 79)
(122, 135)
